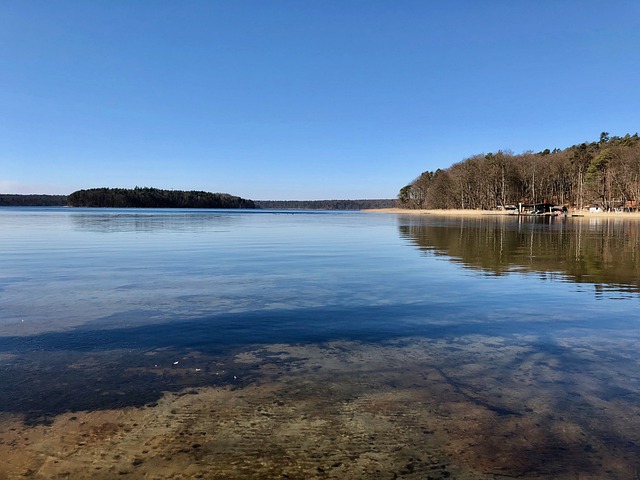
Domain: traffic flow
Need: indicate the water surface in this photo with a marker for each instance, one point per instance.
(342, 344)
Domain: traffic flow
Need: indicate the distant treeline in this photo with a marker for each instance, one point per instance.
(11, 200)
(154, 198)
(605, 173)
(324, 204)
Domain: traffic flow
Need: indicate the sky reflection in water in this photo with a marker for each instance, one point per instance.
(107, 268)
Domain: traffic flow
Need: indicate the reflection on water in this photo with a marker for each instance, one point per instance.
(166, 220)
(602, 252)
(148, 222)
(208, 344)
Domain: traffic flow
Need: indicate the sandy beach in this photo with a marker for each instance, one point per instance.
(460, 212)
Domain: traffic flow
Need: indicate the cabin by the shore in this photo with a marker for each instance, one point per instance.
(543, 208)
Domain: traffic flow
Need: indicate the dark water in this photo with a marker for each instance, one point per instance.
(93, 301)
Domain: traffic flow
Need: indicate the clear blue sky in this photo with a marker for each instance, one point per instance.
(301, 99)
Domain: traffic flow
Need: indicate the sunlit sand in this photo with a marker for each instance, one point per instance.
(460, 212)
(476, 407)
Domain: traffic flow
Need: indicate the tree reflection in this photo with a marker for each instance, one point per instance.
(602, 251)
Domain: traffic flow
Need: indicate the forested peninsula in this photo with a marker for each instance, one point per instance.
(604, 174)
(154, 198)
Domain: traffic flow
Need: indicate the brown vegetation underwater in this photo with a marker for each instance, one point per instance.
(472, 407)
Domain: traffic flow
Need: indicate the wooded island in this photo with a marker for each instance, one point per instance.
(154, 198)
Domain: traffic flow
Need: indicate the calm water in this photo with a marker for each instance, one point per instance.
(546, 309)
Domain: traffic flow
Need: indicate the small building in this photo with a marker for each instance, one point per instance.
(535, 208)
(543, 208)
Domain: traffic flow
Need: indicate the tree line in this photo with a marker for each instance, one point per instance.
(154, 198)
(605, 173)
(324, 204)
(16, 200)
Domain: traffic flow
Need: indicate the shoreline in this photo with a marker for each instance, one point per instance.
(475, 213)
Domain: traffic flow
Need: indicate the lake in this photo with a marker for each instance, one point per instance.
(280, 344)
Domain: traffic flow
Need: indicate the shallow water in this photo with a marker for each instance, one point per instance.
(336, 345)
